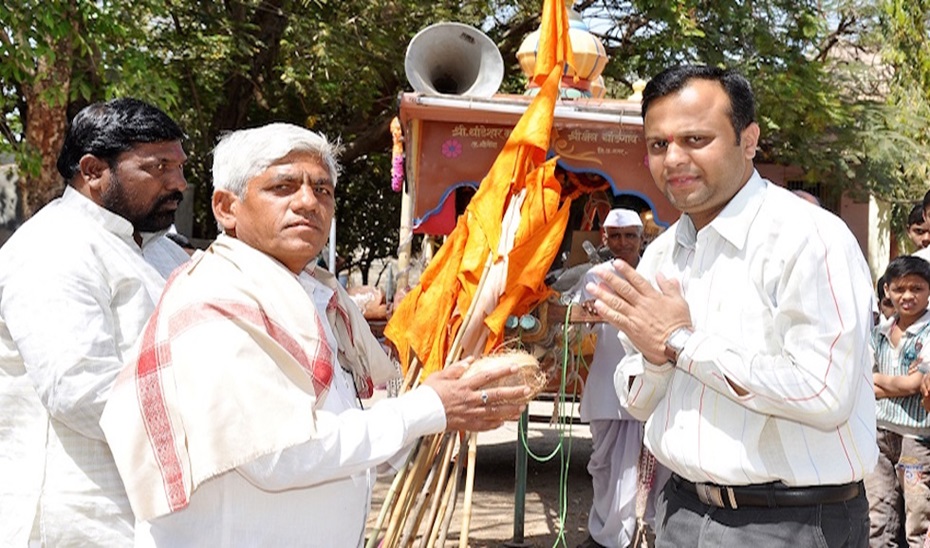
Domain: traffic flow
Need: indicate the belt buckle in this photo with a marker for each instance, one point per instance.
(713, 495)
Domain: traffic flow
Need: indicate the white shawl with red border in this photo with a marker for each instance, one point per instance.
(231, 366)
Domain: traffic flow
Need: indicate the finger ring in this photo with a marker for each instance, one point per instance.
(484, 397)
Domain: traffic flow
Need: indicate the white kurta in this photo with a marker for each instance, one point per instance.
(616, 440)
(780, 298)
(600, 400)
(163, 253)
(317, 493)
(75, 292)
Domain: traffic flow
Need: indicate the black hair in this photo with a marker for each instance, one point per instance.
(926, 201)
(907, 265)
(880, 288)
(107, 129)
(737, 88)
(916, 216)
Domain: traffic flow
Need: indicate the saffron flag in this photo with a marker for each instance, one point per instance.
(504, 242)
(554, 47)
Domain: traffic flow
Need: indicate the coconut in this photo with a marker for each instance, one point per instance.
(528, 372)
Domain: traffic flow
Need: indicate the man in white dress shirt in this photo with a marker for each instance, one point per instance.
(77, 283)
(748, 323)
(239, 422)
(616, 436)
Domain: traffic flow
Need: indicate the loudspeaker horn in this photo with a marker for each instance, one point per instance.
(453, 59)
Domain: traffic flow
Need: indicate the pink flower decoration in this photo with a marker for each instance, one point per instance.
(397, 173)
(452, 148)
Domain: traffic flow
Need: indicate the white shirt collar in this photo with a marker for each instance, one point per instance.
(734, 221)
(319, 293)
(885, 325)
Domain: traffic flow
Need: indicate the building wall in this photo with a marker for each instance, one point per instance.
(869, 222)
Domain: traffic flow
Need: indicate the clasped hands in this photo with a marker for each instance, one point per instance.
(631, 304)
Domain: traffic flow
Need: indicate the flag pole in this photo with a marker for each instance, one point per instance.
(529, 140)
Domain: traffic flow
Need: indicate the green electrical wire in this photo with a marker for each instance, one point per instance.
(562, 448)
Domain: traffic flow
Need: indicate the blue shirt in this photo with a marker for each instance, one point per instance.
(903, 415)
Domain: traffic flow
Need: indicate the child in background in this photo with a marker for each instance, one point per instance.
(885, 308)
(918, 229)
(902, 352)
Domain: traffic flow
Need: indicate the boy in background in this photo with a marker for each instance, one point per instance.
(883, 303)
(902, 354)
(918, 230)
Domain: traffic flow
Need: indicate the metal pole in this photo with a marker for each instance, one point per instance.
(519, 498)
(332, 247)
(405, 235)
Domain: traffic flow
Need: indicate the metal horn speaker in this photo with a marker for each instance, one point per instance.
(453, 59)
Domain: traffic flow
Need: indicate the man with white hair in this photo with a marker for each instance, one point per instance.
(617, 437)
(239, 422)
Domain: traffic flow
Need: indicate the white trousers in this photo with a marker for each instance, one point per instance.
(613, 467)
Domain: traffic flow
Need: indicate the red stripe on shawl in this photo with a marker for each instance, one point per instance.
(156, 356)
(334, 305)
(152, 359)
(368, 390)
(319, 367)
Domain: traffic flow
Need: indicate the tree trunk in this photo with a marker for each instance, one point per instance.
(365, 268)
(47, 100)
(269, 21)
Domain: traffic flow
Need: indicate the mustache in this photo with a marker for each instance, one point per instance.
(175, 196)
(311, 219)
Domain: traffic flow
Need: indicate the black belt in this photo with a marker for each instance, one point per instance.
(768, 495)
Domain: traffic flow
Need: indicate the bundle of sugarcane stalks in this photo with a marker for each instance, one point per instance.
(419, 505)
(423, 494)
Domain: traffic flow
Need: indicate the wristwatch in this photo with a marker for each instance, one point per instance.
(675, 342)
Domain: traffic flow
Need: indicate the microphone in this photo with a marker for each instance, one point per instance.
(591, 252)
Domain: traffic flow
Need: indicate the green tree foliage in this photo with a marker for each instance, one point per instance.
(55, 57)
(891, 151)
(905, 27)
(842, 84)
(336, 67)
(817, 71)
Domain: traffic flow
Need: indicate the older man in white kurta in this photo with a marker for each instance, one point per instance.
(238, 422)
(253, 328)
(616, 436)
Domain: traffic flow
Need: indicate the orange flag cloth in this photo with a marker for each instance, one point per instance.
(429, 317)
(554, 47)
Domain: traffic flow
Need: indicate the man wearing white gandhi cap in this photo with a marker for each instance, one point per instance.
(623, 234)
(617, 437)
